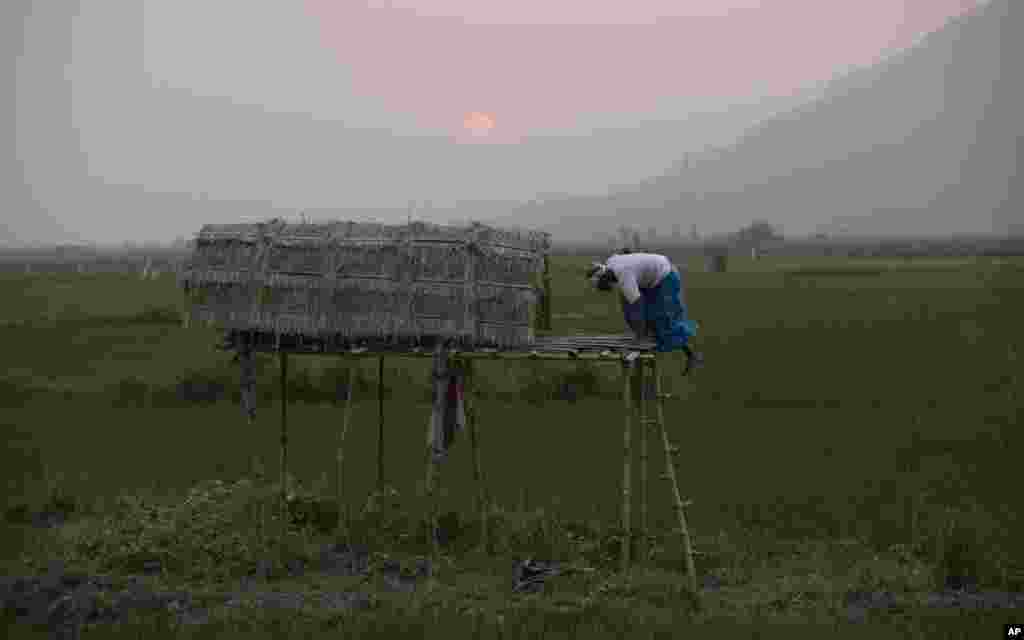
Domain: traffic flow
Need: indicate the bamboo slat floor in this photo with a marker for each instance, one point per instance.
(581, 346)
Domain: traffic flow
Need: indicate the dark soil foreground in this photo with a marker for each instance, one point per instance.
(64, 602)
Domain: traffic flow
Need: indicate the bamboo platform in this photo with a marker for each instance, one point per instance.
(643, 411)
(573, 347)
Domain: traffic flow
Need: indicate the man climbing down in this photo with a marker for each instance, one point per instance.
(651, 299)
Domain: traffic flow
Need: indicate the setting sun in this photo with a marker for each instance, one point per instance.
(478, 123)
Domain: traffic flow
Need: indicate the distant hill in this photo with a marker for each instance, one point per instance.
(926, 142)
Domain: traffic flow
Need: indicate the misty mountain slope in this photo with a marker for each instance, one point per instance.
(1003, 130)
(930, 129)
(882, 105)
(924, 142)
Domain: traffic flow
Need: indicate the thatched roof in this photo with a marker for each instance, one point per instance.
(369, 280)
(277, 230)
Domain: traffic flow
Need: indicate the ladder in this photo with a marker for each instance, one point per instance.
(648, 395)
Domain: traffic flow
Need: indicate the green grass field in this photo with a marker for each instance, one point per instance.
(836, 392)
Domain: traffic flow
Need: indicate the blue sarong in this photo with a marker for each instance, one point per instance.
(661, 311)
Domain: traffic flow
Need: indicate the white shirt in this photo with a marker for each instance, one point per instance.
(635, 271)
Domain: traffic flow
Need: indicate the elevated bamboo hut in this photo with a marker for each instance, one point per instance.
(453, 294)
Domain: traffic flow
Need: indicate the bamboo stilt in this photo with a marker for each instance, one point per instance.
(642, 421)
(380, 425)
(546, 308)
(670, 472)
(912, 501)
(474, 440)
(439, 376)
(627, 399)
(256, 467)
(284, 438)
(342, 529)
(247, 366)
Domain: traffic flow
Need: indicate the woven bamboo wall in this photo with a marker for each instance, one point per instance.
(367, 281)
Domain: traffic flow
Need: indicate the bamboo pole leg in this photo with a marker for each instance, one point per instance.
(247, 360)
(284, 440)
(342, 526)
(627, 397)
(473, 427)
(380, 424)
(642, 420)
(439, 371)
(670, 473)
(547, 295)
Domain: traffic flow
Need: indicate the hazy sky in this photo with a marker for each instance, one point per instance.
(438, 99)
(537, 67)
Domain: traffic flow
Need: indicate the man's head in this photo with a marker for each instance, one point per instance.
(601, 276)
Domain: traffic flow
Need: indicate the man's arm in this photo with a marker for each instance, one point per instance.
(629, 287)
(634, 315)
